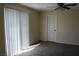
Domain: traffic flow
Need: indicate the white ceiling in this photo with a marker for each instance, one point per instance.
(45, 6)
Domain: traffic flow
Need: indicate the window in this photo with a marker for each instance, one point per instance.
(16, 30)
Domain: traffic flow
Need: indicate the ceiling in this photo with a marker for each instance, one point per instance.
(45, 6)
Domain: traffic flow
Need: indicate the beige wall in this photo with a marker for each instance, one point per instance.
(34, 27)
(2, 35)
(34, 24)
(67, 26)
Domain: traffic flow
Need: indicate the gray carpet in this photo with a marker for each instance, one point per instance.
(53, 49)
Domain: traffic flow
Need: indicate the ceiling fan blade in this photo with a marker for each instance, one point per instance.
(66, 7)
(71, 4)
(60, 4)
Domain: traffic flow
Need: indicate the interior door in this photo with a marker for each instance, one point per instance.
(52, 21)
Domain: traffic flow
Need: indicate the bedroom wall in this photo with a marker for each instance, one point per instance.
(2, 35)
(67, 26)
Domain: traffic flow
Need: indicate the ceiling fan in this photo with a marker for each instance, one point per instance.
(62, 5)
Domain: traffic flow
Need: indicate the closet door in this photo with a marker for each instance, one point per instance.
(52, 21)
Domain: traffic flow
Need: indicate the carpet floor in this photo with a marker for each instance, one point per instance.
(53, 49)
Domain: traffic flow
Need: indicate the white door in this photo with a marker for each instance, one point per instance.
(52, 21)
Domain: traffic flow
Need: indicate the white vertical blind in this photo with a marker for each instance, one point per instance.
(25, 30)
(16, 30)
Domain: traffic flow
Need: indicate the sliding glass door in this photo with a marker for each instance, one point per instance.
(24, 22)
(16, 30)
